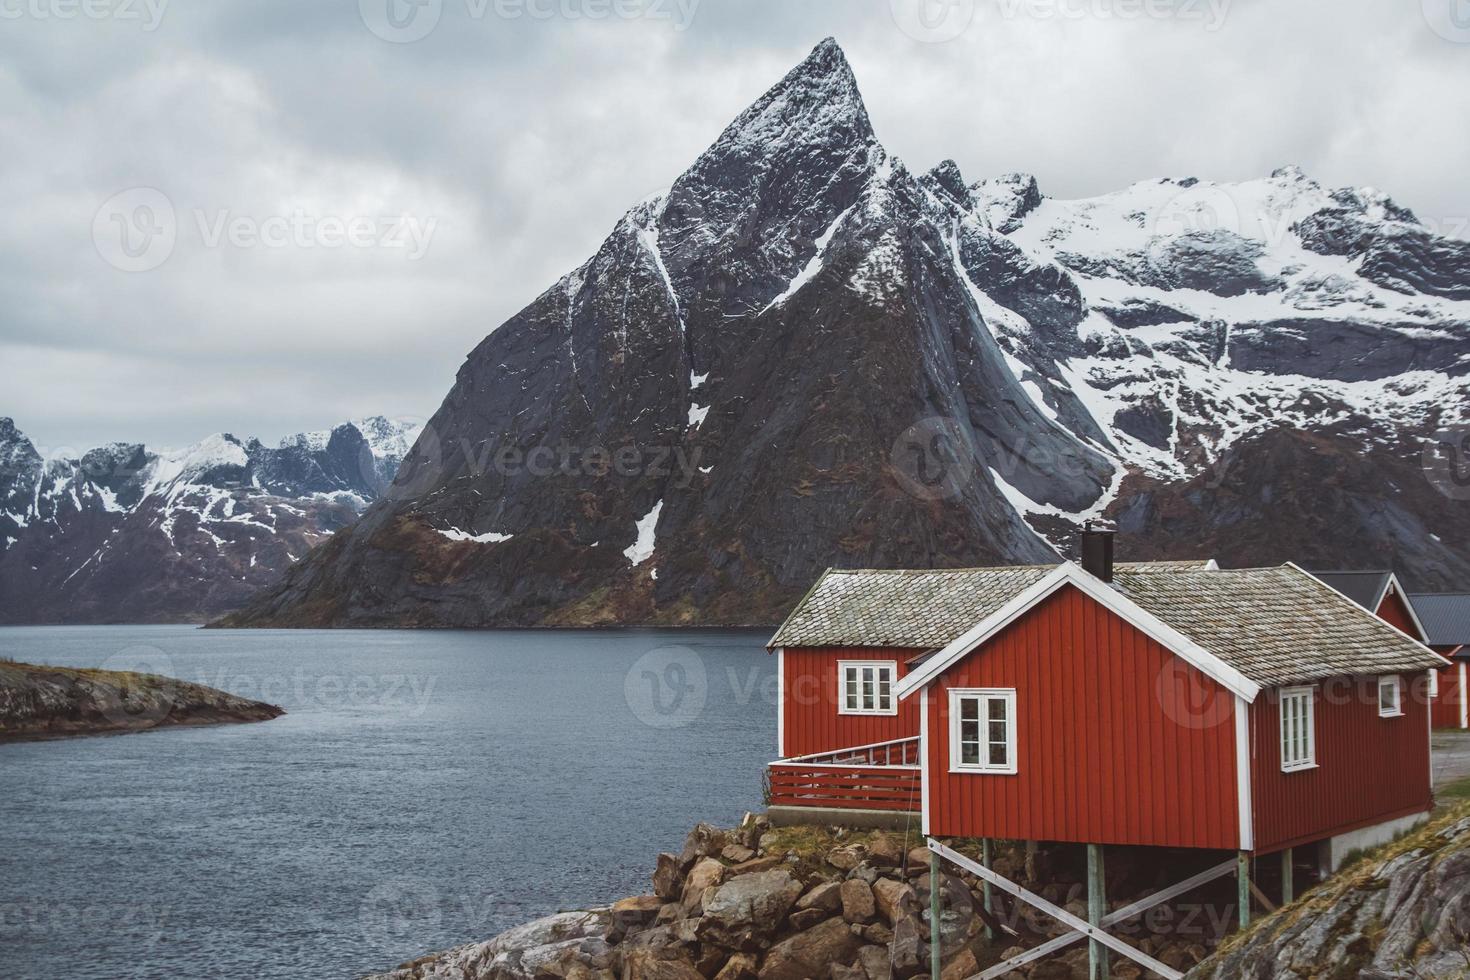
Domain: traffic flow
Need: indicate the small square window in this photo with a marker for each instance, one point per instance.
(1390, 701)
(867, 687)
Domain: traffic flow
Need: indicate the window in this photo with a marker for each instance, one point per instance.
(1298, 735)
(867, 687)
(1389, 703)
(982, 730)
(1433, 683)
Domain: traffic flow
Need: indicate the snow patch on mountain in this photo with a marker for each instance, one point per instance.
(642, 548)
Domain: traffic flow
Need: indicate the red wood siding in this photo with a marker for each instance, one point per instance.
(1369, 769)
(1393, 611)
(1445, 709)
(810, 700)
(1119, 741)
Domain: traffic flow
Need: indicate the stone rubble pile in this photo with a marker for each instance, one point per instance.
(738, 905)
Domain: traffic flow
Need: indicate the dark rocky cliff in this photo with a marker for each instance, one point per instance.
(804, 354)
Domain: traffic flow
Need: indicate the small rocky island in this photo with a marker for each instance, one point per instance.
(49, 702)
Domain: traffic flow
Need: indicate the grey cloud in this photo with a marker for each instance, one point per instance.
(525, 139)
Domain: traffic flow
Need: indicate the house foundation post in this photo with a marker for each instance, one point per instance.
(985, 889)
(1243, 887)
(1097, 954)
(933, 916)
(1288, 885)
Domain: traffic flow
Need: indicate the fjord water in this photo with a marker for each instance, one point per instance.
(424, 789)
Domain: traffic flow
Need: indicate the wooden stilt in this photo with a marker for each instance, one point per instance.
(1243, 887)
(1097, 954)
(985, 888)
(1288, 884)
(933, 916)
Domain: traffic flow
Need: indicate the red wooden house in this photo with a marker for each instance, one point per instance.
(1445, 618)
(1169, 704)
(1380, 593)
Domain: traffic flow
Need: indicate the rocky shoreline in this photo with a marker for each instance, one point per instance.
(51, 702)
(758, 903)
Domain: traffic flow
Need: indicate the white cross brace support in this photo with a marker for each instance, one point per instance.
(1080, 926)
(1123, 914)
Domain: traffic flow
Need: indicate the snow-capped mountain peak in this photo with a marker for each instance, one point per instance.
(126, 533)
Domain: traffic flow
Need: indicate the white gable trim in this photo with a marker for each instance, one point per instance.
(1395, 588)
(1069, 573)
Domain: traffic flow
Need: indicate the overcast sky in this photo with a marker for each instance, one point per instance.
(289, 138)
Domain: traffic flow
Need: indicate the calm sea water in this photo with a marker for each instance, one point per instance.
(425, 789)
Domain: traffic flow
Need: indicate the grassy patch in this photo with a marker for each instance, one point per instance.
(1455, 792)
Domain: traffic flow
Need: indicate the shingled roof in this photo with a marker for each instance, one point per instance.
(1272, 625)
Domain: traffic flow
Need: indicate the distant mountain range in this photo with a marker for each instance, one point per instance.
(129, 534)
(805, 354)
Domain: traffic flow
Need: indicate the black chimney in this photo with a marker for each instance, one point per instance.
(1097, 552)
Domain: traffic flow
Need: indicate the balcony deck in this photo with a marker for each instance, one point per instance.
(883, 776)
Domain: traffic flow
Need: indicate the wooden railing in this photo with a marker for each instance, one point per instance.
(881, 776)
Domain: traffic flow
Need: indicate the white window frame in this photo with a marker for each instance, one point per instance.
(985, 695)
(1394, 682)
(877, 666)
(1306, 716)
(1433, 683)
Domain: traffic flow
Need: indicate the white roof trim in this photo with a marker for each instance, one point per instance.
(1069, 573)
(1396, 588)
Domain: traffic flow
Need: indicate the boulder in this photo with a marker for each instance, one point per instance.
(840, 972)
(630, 913)
(857, 901)
(918, 857)
(826, 896)
(745, 910)
(878, 933)
(736, 853)
(962, 965)
(668, 877)
(703, 841)
(806, 918)
(756, 864)
(706, 873)
(741, 966)
(655, 964)
(810, 953)
(886, 850)
(905, 952)
(710, 959)
(875, 962)
(846, 857)
(894, 898)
